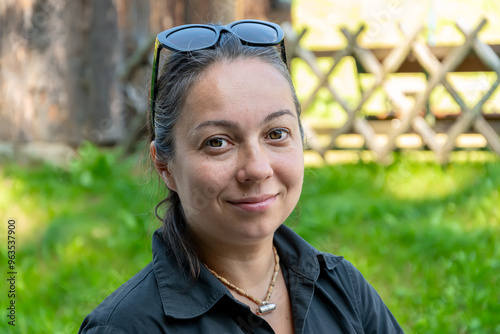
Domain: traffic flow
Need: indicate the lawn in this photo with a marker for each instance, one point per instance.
(426, 236)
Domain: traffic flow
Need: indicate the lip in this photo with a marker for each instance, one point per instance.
(254, 204)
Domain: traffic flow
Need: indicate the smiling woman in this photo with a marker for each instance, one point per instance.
(226, 139)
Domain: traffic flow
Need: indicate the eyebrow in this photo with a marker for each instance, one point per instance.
(277, 114)
(218, 122)
(232, 125)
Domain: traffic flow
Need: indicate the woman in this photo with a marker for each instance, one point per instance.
(226, 139)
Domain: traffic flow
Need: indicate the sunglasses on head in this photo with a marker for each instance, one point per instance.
(192, 37)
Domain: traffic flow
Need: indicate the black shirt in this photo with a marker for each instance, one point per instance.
(327, 293)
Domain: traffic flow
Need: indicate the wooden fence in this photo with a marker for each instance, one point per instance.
(407, 115)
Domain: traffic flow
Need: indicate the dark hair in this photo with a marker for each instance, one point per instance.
(179, 72)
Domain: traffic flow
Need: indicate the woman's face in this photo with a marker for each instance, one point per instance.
(238, 164)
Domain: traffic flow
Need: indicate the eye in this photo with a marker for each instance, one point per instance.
(278, 134)
(216, 142)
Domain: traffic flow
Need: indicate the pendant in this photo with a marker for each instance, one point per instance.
(266, 307)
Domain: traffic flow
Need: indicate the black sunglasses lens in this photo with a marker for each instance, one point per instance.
(193, 38)
(256, 32)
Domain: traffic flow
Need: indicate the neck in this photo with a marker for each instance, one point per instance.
(249, 266)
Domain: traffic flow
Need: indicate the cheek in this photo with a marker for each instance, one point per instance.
(291, 168)
(203, 181)
(297, 172)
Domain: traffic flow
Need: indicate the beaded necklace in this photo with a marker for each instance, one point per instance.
(264, 305)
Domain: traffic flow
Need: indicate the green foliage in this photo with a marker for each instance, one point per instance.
(425, 236)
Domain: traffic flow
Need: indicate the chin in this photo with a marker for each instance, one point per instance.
(259, 230)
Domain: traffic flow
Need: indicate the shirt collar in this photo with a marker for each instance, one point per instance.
(299, 256)
(182, 298)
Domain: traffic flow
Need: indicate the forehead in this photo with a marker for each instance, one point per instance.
(240, 84)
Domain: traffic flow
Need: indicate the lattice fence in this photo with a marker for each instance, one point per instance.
(411, 112)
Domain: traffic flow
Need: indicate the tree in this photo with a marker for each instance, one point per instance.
(58, 80)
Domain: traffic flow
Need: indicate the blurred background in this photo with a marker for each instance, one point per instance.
(401, 111)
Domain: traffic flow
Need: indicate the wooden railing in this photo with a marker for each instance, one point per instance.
(408, 114)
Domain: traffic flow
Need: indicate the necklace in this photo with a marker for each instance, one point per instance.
(264, 305)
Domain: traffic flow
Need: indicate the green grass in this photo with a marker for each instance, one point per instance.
(426, 237)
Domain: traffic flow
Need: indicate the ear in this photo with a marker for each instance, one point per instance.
(162, 168)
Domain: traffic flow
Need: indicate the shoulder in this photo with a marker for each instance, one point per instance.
(373, 313)
(124, 309)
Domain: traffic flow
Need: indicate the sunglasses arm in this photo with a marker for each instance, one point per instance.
(154, 77)
(283, 53)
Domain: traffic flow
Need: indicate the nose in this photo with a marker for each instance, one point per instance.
(254, 165)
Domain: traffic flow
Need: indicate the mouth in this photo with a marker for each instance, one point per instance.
(254, 204)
